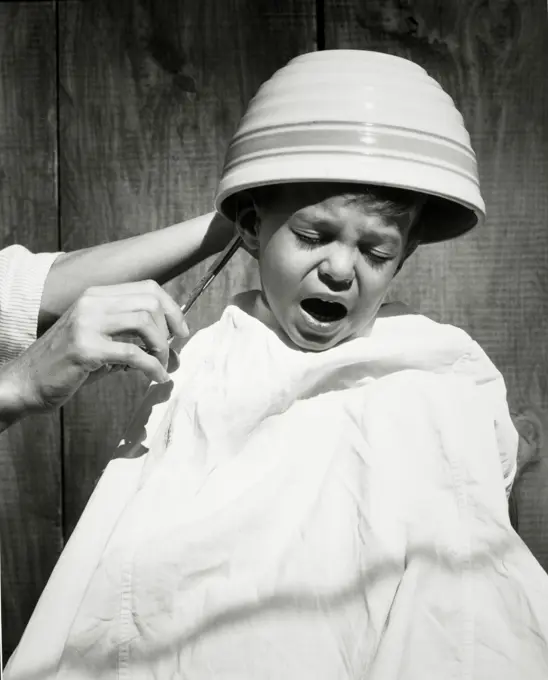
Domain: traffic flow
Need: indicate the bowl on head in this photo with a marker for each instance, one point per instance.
(356, 116)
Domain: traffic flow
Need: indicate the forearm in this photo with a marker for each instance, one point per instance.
(159, 255)
(12, 404)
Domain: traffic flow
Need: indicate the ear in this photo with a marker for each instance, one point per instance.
(247, 222)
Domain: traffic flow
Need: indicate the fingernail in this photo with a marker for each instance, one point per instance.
(166, 377)
(184, 331)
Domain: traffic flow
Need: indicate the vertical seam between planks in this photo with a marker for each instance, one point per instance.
(59, 247)
(320, 25)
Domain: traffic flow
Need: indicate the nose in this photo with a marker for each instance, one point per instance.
(337, 269)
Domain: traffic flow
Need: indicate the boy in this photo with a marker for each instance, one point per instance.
(323, 491)
(327, 254)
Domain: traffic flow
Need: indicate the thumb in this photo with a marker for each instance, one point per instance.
(102, 372)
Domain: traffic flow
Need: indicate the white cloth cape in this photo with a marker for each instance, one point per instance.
(287, 515)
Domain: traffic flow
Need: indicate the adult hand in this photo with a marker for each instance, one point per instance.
(93, 336)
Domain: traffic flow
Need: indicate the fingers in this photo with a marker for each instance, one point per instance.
(144, 316)
(133, 356)
(106, 369)
(173, 315)
(82, 345)
(148, 291)
(150, 327)
(101, 329)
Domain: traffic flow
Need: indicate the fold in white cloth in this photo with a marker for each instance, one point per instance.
(322, 516)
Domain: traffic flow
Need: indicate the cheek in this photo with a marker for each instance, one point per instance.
(281, 267)
(374, 284)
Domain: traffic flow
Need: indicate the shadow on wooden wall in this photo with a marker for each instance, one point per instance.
(492, 57)
(114, 119)
(31, 534)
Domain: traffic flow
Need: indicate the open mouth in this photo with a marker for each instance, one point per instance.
(324, 311)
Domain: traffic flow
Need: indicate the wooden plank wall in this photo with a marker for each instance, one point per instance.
(147, 94)
(493, 59)
(152, 92)
(30, 453)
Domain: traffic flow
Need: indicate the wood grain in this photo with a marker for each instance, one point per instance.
(30, 460)
(151, 93)
(491, 56)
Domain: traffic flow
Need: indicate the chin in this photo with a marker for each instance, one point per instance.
(310, 345)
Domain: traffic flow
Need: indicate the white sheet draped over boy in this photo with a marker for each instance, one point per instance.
(322, 516)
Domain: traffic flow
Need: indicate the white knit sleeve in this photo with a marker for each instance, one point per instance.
(22, 278)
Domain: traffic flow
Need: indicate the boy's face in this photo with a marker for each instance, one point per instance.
(326, 262)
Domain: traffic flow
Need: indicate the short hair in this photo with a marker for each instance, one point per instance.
(390, 202)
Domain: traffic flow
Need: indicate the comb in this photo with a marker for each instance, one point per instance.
(218, 264)
(213, 270)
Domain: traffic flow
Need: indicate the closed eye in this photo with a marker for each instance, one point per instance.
(377, 259)
(310, 241)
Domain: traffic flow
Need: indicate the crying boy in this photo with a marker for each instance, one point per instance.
(324, 494)
(327, 254)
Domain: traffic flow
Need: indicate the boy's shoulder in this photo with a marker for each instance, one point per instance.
(404, 315)
(425, 336)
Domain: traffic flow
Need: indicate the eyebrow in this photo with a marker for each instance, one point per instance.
(394, 238)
